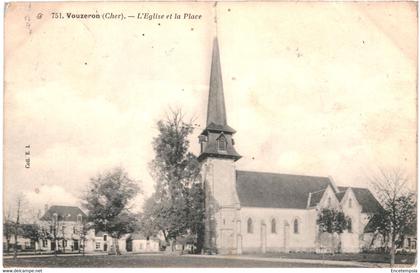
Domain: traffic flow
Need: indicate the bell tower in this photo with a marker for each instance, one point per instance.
(217, 158)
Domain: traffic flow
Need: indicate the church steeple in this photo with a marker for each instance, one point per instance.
(216, 111)
(216, 139)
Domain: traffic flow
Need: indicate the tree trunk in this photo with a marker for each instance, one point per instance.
(83, 251)
(8, 245)
(16, 244)
(392, 262)
(117, 246)
(339, 243)
(55, 247)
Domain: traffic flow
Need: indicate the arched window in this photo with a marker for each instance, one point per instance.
(296, 226)
(349, 226)
(273, 226)
(329, 201)
(249, 226)
(350, 203)
(221, 143)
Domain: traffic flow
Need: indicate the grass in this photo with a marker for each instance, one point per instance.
(144, 261)
(357, 257)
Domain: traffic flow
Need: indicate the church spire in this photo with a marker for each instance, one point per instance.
(216, 111)
(216, 139)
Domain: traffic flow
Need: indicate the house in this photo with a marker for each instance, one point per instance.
(98, 241)
(249, 211)
(138, 243)
(23, 243)
(63, 226)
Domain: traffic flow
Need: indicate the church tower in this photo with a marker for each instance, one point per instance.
(217, 157)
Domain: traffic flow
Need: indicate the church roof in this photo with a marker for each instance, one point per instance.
(216, 111)
(315, 197)
(271, 190)
(340, 195)
(215, 127)
(365, 198)
(65, 213)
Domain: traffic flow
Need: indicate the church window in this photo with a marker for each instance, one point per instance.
(296, 226)
(350, 203)
(221, 143)
(329, 201)
(349, 226)
(273, 226)
(79, 218)
(249, 226)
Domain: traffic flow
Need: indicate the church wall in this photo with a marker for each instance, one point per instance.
(283, 239)
(220, 177)
(350, 241)
(221, 204)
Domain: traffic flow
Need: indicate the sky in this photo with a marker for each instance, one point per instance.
(324, 89)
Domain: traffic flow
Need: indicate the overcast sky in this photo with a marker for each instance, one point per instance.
(325, 89)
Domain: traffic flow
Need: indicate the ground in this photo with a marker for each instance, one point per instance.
(409, 258)
(144, 260)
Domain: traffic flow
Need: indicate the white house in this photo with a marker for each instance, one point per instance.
(66, 223)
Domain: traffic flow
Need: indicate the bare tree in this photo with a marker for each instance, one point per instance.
(16, 223)
(7, 228)
(54, 229)
(84, 228)
(399, 205)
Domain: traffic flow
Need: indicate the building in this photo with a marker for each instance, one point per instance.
(137, 243)
(68, 225)
(23, 243)
(259, 212)
(64, 227)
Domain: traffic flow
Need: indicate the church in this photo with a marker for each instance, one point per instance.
(249, 211)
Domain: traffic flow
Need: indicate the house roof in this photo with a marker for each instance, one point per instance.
(316, 197)
(271, 190)
(365, 198)
(65, 213)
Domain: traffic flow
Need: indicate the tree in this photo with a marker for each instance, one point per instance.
(84, 228)
(172, 208)
(332, 221)
(32, 232)
(108, 203)
(7, 228)
(53, 230)
(195, 221)
(399, 214)
(16, 223)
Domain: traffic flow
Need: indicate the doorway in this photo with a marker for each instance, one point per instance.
(129, 245)
(75, 245)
